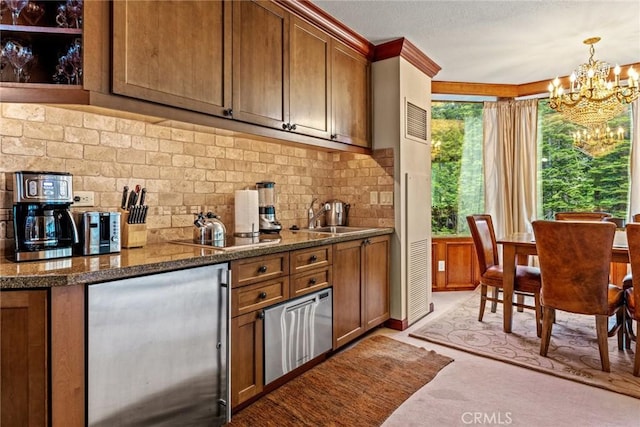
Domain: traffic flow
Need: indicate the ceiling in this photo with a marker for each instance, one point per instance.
(503, 42)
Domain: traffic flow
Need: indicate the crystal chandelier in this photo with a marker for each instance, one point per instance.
(592, 99)
(598, 140)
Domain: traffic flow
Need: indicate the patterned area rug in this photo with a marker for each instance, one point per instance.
(573, 351)
(360, 386)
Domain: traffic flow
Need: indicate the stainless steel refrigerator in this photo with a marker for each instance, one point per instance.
(158, 350)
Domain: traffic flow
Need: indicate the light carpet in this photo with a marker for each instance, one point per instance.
(573, 351)
(360, 386)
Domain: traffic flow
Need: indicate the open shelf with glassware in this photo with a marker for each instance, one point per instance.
(41, 44)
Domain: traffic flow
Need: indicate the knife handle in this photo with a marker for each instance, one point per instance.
(124, 197)
(132, 198)
(143, 194)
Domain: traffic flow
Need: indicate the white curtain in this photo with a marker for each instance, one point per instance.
(634, 161)
(510, 152)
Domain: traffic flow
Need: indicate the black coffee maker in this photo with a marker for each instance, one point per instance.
(42, 222)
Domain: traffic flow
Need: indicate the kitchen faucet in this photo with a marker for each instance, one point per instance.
(314, 216)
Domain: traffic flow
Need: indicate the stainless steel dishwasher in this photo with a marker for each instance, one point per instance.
(296, 332)
(158, 350)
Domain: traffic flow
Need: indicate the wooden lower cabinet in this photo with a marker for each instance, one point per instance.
(23, 358)
(455, 267)
(454, 264)
(360, 287)
(247, 361)
(376, 274)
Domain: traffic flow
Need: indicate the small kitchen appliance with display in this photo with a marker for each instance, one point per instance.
(267, 208)
(99, 233)
(42, 222)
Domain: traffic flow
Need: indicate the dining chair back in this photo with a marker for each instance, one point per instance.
(627, 281)
(581, 216)
(632, 294)
(527, 279)
(574, 261)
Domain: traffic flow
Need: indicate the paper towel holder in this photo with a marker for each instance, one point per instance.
(254, 233)
(246, 215)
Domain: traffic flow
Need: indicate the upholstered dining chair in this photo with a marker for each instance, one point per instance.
(581, 216)
(527, 280)
(574, 261)
(632, 294)
(627, 281)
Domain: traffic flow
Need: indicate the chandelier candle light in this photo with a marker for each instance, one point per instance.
(592, 99)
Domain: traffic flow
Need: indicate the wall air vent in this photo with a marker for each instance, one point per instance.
(418, 281)
(416, 122)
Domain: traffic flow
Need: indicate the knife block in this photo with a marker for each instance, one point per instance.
(132, 235)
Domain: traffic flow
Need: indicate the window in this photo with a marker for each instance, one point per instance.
(589, 178)
(457, 188)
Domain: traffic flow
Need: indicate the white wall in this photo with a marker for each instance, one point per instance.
(396, 81)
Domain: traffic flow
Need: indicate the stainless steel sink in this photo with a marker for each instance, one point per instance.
(338, 229)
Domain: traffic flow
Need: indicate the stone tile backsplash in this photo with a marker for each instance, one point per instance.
(185, 168)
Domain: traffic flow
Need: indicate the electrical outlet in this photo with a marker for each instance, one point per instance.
(373, 198)
(440, 265)
(83, 199)
(386, 198)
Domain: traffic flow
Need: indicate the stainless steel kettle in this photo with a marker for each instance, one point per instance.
(338, 213)
(209, 229)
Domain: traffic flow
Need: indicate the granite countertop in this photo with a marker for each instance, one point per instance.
(152, 258)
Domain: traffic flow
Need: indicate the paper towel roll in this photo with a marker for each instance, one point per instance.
(247, 218)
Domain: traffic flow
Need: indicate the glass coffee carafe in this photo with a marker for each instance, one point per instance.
(41, 228)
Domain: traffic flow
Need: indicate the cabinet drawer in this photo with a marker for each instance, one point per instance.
(252, 270)
(311, 281)
(254, 297)
(310, 259)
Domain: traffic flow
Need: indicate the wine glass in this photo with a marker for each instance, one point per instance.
(69, 68)
(74, 13)
(16, 6)
(18, 56)
(33, 12)
(3, 63)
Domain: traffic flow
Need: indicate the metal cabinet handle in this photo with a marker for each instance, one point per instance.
(334, 136)
(262, 295)
(313, 281)
(285, 126)
(262, 269)
(228, 112)
(313, 258)
(292, 127)
(261, 314)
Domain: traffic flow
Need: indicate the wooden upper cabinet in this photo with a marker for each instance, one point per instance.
(260, 63)
(350, 96)
(254, 61)
(173, 52)
(310, 77)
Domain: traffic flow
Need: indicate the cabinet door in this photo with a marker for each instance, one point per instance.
(260, 63)
(350, 96)
(247, 362)
(376, 273)
(348, 310)
(23, 358)
(173, 52)
(310, 98)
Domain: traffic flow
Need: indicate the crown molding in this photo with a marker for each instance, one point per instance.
(506, 90)
(407, 50)
(318, 17)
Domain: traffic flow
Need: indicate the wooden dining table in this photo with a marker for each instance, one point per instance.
(517, 247)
